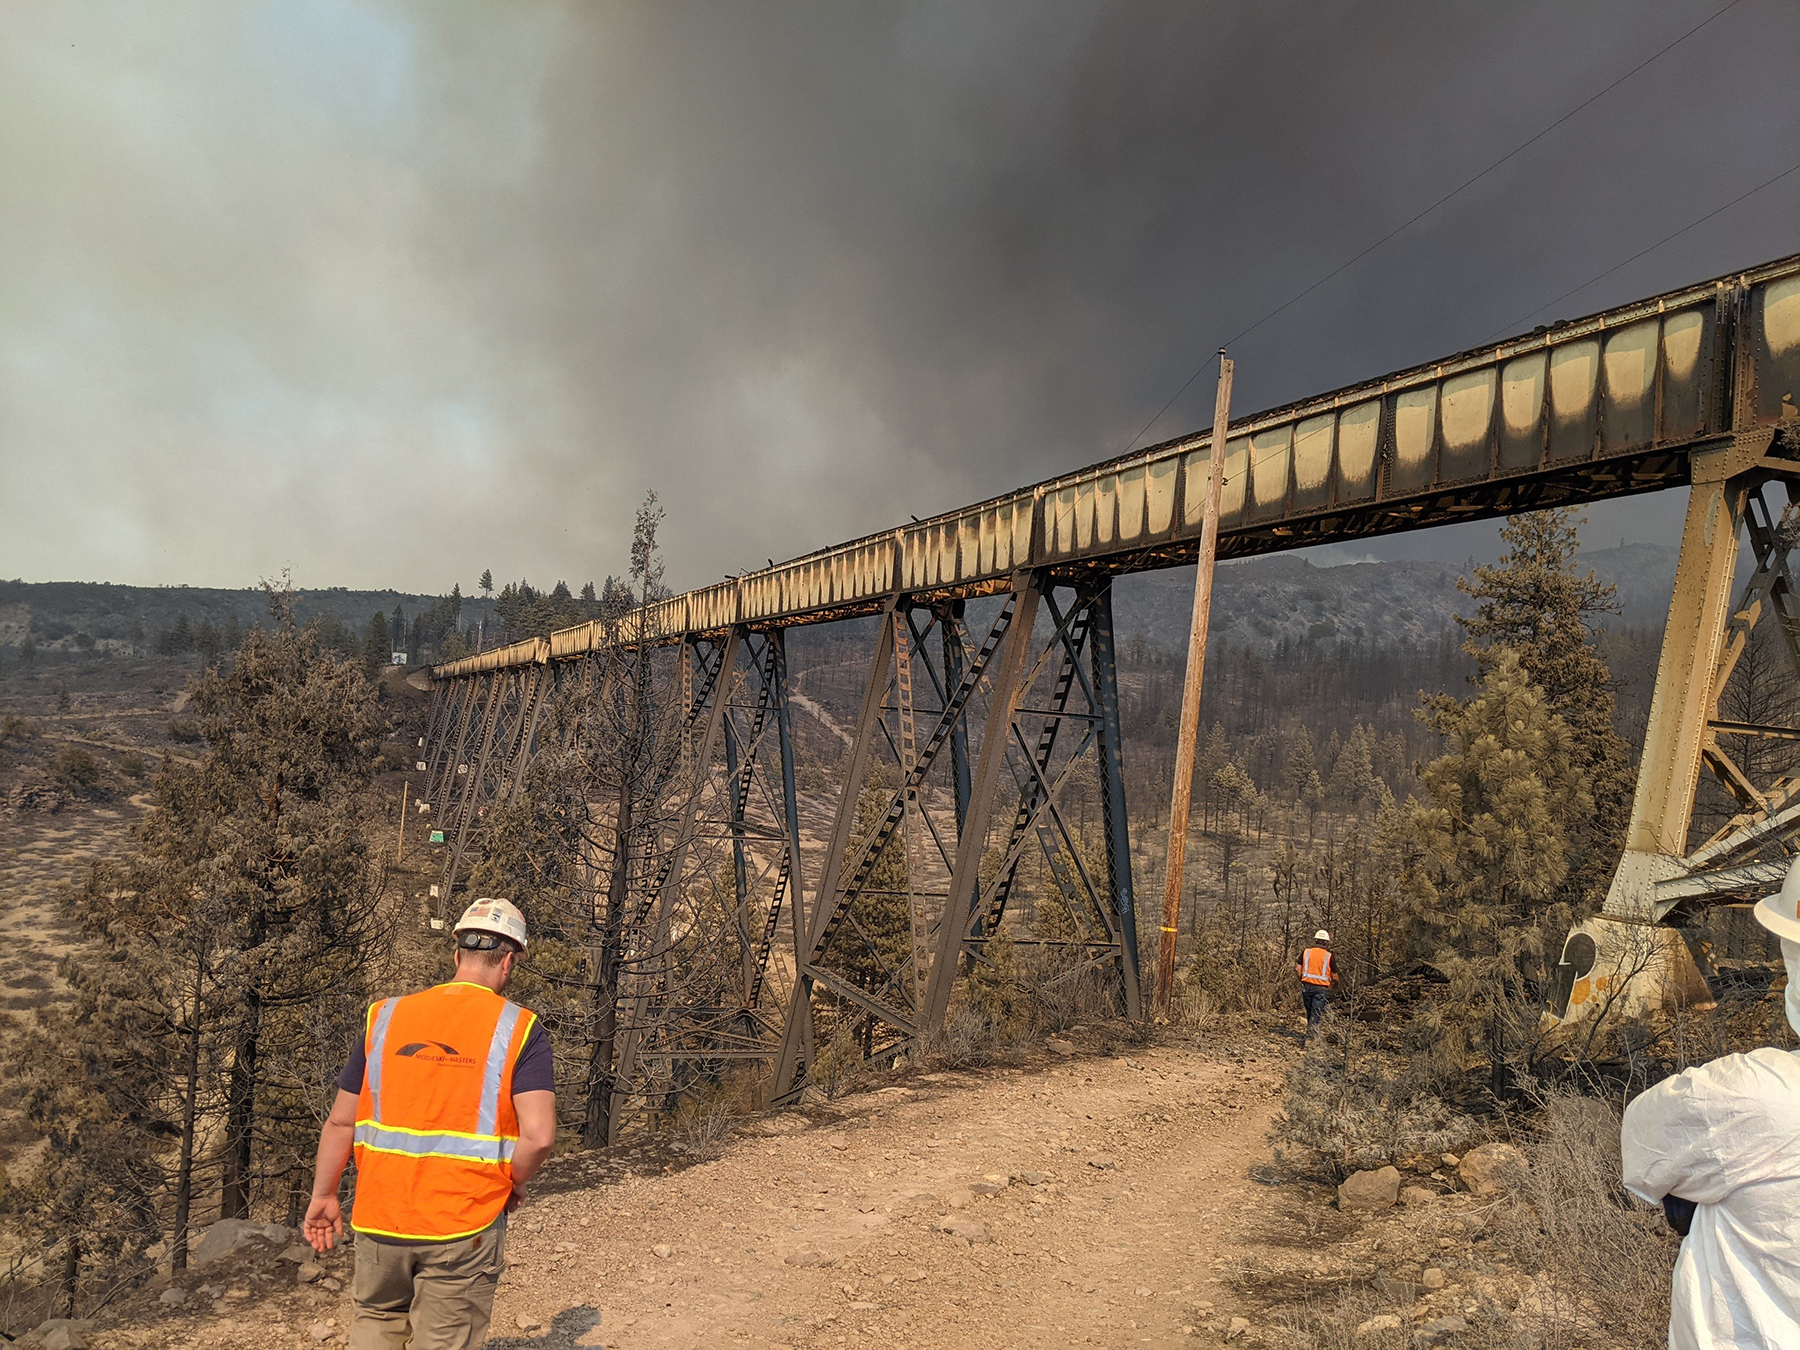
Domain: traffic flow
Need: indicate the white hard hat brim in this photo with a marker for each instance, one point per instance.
(1776, 913)
(1780, 913)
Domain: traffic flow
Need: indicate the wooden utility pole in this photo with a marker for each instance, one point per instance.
(400, 841)
(1181, 795)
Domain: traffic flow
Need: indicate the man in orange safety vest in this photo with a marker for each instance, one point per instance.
(1317, 972)
(449, 1104)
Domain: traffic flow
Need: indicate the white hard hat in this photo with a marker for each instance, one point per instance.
(1321, 936)
(492, 915)
(1780, 913)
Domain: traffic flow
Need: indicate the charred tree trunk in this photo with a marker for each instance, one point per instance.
(184, 1167)
(597, 1119)
(70, 1277)
(240, 1114)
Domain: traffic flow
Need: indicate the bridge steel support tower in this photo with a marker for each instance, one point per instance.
(1632, 958)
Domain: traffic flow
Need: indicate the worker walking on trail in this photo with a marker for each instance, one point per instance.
(1719, 1147)
(449, 1103)
(1318, 973)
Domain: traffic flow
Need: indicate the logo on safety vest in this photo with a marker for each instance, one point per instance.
(436, 1052)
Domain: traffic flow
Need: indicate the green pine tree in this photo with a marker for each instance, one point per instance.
(207, 641)
(877, 958)
(1353, 772)
(1482, 866)
(1300, 764)
(1535, 603)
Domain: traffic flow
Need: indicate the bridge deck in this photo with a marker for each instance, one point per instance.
(1604, 406)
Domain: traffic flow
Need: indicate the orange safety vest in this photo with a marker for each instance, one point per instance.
(435, 1124)
(1315, 966)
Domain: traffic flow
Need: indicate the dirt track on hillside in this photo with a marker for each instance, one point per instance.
(1123, 1201)
(835, 1232)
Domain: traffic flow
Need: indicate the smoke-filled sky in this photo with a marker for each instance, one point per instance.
(389, 293)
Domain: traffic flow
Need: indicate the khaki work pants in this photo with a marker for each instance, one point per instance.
(438, 1297)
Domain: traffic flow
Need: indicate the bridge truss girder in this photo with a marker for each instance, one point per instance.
(958, 776)
(901, 907)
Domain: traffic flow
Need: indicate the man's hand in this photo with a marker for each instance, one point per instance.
(324, 1223)
(517, 1197)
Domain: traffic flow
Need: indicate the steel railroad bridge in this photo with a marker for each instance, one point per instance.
(980, 726)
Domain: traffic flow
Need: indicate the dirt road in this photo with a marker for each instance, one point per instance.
(1095, 1198)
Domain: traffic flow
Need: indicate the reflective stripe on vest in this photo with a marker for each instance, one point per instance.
(495, 1069)
(1315, 966)
(384, 1013)
(418, 1144)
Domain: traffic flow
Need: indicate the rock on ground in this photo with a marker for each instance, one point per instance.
(1491, 1169)
(1377, 1189)
(1437, 1328)
(972, 1230)
(59, 1333)
(227, 1237)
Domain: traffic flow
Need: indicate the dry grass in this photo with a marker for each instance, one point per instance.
(703, 1130)
(973, 1038)
(1349, 1107)
(1065, 988)
(1331, 1324)
(1602, 1259)
(704, 1123)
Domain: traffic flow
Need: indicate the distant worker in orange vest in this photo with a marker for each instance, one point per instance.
(1318, 973)
(449, 1102)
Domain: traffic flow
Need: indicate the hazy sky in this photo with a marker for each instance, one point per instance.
(390, 293)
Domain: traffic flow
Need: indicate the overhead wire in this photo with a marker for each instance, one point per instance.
(1513, 327)
(1415, 219)
(1667, 238)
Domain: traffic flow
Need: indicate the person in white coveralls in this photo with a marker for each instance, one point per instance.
(1719, 1146)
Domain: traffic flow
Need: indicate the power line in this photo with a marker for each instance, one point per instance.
(1524, 318)
(1410, 222)
(1514, 326)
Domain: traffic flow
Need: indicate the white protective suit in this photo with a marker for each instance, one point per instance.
(1727, 1136)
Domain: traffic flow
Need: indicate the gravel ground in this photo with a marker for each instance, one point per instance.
(1088, 1198)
